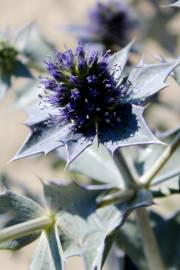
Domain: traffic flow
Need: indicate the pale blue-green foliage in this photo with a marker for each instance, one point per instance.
(82, 224)
(97, 164)
(32, 48)
(167, 180)
(145, 80)
(128, 237)
(80, 227)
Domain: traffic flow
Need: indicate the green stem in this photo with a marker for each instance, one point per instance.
(116, 197)
(124, 170)
(24, 228)
(148, 237)
(149, 241)
(169, 151)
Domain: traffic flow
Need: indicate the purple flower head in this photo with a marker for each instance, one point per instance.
(109, 23)
(85, 92)
(88, 94)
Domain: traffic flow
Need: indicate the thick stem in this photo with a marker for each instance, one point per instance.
(148, 177)
(24, 228)
(148, 237)
(149, 241)
(124, 169)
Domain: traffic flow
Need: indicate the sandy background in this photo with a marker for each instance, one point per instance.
(49, 14)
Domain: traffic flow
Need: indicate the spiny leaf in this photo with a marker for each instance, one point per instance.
(117, 61)
(61, 196)
(136, 133)
(43, 137)
(147, 80)
(76, 146)
(87, 238)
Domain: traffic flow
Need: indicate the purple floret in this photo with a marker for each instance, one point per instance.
(85, 92)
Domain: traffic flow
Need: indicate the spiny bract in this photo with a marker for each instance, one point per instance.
(88, 94)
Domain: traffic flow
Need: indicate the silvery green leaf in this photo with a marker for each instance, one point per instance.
(77, 145)
(137, 132)
(166, 231)
(167, 179)
(175, 4)
(27, 94)
(62, 196)
(148, 79)
(96, 163)
(47, 255)
(78, 206)
(40, 141)
(118, 61)
(30, 42)
(19, 209)
(43, 137)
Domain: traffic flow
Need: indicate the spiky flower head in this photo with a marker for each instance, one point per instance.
(84, 91)
(109, 23)
(88, 95)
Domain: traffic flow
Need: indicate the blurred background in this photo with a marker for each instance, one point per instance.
(51, 16)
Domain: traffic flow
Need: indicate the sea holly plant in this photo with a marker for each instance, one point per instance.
(21, 56)
(109, 23)
(91, 111)
(23, 220)
(89, 98)
(88, 95)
